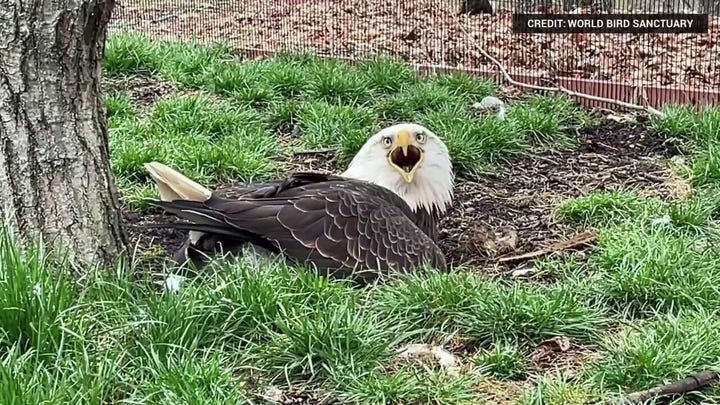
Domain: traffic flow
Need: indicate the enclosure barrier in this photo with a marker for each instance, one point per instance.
(443, 36)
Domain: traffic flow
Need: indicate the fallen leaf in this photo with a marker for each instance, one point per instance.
(549, 348)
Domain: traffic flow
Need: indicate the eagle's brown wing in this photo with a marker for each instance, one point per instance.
(337, 224)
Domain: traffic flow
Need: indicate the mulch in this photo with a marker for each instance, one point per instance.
(521, 195)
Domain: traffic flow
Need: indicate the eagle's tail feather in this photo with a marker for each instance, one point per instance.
(193, 211)
(209, 222)
(186, 226)
(173, 185)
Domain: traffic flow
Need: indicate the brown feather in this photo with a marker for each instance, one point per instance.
(334, 223)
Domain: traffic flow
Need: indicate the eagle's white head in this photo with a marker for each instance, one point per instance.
(410, 160)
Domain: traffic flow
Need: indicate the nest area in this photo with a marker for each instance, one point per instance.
(517, 199)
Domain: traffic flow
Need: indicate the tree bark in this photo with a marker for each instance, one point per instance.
(55, 177)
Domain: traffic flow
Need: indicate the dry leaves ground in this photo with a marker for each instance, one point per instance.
(431, 32)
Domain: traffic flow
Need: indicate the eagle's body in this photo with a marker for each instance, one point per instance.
(366, 222)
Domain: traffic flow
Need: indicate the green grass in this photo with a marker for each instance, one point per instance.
(549, 120)
(205, 138)
(113, 337)
(387, 75)
(119, 108)
(505, 360)
(664, 347)
(606, 207)
(131, 55)
(700, 133)
(560, 388)
(333, 105)
(645, 299)
(324, 125)
(483, 311)
(644, 270)
(409, 385)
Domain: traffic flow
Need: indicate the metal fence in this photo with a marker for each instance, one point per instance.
(439, 35)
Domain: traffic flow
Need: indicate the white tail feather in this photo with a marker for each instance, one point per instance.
(173, 185)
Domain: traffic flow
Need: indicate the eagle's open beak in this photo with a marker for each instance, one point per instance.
(405, 157)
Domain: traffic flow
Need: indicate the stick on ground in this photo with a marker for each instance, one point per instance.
(687, 384)
(314, 152)
(582, 238)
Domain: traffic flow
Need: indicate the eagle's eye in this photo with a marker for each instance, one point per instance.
(386, 141)
(420, 137)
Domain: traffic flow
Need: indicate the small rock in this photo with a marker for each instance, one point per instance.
(493, 241)
(489, 103)
(506, 238)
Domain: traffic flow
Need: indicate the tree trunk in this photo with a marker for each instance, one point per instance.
(55, 177)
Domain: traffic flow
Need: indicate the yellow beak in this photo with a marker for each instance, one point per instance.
(402, 141)
(408, 177)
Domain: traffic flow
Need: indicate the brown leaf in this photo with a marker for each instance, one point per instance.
(548, 349)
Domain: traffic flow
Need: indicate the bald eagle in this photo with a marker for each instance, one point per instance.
(378, 216)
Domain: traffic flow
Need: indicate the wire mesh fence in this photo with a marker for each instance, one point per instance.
(437, 35)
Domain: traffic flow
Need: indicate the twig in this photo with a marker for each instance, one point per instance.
(557, 87)
(314, 151)
(582, 238)
(165, 17)
(680, 387)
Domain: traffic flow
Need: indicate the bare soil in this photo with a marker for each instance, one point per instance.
(519, 198)
(144, 91)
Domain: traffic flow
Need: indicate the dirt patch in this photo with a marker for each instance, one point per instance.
(519, 197)
(152, 245)
(522, 194)
(502, 392)
(325, 162)
(143, 91)
(561, 353)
